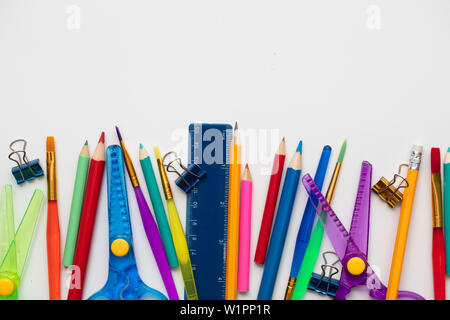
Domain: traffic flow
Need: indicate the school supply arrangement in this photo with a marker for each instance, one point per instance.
(213, 252)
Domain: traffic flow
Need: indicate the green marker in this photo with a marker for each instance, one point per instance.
(14, 247)
(315, 242)
(158, 206)
(77, 205)
(447, 209)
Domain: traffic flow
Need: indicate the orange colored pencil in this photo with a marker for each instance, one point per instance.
(53, 233)
(233, 218)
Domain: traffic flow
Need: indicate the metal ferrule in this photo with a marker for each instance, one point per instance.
(290, 288)
(130, 167)
(333, 182)
(415, 158)
(51, 176)
(436, 196)
(164, 180)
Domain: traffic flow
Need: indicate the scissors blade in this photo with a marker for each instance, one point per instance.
(334, 228)
(359, 229)
(6, 221)
(25, 232)
(118, 210)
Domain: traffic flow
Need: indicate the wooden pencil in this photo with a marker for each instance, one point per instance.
(271, 202)
(245, 223)
(231, 269)
(88, 214)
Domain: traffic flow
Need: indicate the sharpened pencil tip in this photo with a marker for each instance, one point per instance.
(102, 138)
(141, 146)
(86, 143)
(300, 147)
(236, 126)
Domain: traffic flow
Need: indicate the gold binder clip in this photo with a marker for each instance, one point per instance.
(388, 191)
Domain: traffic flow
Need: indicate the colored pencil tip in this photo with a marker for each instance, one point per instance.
(300, 147)
(246, 166)
(50, 144)
(435, 160)
(102, 138)
(236, 126)
(86, 143)
(342, 152)
(118, 133)
(284, 139)
(141, 146)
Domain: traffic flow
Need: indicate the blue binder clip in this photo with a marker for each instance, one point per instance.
(25, 170)
(323, 284)
(190, 176)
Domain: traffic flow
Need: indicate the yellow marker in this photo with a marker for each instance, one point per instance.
(403, 224)
(178, 237)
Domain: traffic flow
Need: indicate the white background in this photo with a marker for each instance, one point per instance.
(374, 72)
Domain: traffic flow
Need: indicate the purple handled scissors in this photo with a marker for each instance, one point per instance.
(351, 248)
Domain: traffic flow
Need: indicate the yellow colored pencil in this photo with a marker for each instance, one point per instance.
(233, 218)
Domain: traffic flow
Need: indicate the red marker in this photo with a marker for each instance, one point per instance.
(93, 186)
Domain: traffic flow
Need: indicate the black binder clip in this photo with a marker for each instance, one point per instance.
(323, 284)
(25, 170)
(190, 176)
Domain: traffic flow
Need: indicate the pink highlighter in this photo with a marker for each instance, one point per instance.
(245, 230)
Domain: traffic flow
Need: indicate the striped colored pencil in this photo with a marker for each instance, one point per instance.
(271, 202)
(280, 227)
(231, 270)
(88, 214)
(315, 241)
(77, 205)
(245, 223)
(53, 232)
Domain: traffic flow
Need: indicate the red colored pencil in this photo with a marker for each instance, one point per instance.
(271, 202)
(438, 250)
(93, 185)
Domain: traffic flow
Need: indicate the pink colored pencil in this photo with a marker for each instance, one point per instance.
(245, 230)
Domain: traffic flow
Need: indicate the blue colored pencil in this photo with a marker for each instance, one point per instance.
(281, 225)
(304, 232)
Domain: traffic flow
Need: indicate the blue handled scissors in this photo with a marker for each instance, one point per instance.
(123, 281)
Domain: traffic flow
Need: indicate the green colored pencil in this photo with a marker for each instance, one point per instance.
(158, 206)
(447, 209)
(315, 242)
(77, 205)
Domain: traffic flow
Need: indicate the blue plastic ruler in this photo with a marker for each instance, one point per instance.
(207, 208)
